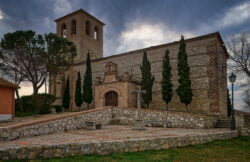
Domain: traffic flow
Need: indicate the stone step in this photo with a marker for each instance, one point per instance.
(223, 124)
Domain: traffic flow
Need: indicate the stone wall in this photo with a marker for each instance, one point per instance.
(106, 147)
(57, 125)
(206, 59)
(123, 90)
(243, 123)
(104, 115)
(175, 119)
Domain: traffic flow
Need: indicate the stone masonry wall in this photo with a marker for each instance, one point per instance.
(64, 124)
(175, 119)
(105, 115)
(106, 147)
(242, 125)
(198, 60)
(203, 59)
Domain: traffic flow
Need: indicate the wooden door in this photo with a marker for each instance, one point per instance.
(111, 98)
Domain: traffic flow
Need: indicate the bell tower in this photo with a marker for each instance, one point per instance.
(85, 31)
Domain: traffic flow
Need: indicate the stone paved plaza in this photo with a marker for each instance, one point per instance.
(112, 138)
(108, 133)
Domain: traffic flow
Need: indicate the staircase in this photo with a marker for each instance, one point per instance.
(225, 123)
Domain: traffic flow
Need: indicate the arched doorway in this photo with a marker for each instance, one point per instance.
(111, 98)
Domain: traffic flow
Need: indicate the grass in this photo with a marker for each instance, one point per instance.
(232, 150)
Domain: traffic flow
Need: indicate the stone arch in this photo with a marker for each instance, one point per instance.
(73, 27)
(110, 89)
(111, 98)
(117, 91)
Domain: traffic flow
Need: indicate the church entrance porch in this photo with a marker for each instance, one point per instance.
(111, 98)
(114, 90)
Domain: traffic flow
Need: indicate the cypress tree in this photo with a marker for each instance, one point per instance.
(147, 79)
(87, 83)
(184, 90)
(166, 84)
(78, 93)
(66, 96)
(229, 104)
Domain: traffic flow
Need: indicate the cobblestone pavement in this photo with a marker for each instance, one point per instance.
(108, 133)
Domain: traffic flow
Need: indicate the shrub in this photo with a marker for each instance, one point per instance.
(45, 109)
(44, 103)
(58, 108)
(27, 104)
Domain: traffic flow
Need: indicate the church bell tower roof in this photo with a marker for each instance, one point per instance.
(79, 11)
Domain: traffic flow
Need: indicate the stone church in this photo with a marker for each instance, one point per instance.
(116, 77)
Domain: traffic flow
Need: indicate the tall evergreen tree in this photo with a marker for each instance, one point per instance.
(78, 92)
(66, 96)
(87, 83)
(147, 79)
(229, 104)
(166, 84)
(184, 90)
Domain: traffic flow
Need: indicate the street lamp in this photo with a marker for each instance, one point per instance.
(232, 79)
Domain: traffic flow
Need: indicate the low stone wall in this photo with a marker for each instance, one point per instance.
(127, 116)
(106, 147)
(65, 123)
(243, 123)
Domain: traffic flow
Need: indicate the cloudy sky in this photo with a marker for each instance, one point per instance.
(133, 24)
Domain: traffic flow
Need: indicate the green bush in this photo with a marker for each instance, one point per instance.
(27, 103)
(23, 114)
(45, 110)
(44, 102)
(58, 108)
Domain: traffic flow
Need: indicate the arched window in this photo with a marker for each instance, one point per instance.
(96, 33)
(73, 27)
(110, 67)
(87, 24)
(64, 30)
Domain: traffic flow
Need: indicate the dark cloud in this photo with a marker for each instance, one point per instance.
(182, 16)
(26, 14)
(195, 17)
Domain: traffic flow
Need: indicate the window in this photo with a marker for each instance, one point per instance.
(96, 33)
(64, 30)
(87, 31)
(110, 67)
(73, 27)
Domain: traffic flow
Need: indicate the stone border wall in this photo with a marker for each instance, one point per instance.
(65, 123)
(107, 147)
(242, 123)
(125, 116)
(175, 119)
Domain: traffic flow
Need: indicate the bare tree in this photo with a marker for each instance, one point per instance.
(247, 95)
(32, 56)
(239, 47)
